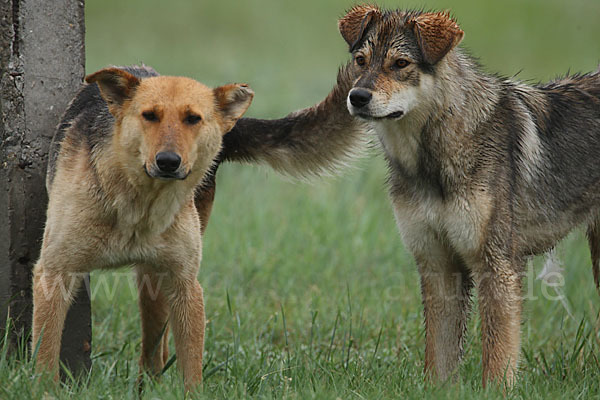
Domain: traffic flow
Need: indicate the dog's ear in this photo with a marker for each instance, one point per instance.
(354, 24)
(116, 86)
(436, 33)
(232, 101)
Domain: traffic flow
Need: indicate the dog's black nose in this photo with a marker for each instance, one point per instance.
(360, 97)
(167, 161)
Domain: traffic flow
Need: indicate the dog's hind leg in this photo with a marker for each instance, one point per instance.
(446, 290)
(593, 235)
(53, 291)
(154, 310)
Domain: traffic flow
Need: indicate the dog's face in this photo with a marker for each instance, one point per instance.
(168, 127)
(394, 57)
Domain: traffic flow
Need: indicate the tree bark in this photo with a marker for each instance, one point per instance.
(42, 58)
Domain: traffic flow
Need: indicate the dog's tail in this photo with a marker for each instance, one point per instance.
(593, 235)
(313, 141)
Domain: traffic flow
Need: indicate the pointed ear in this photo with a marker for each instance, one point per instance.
(354, 24)
(233, 100)
(436, 33)
(116, 86)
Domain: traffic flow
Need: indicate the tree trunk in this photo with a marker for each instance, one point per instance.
(42, 66)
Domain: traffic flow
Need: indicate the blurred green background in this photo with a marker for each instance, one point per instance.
(289, 50)
(308, 290)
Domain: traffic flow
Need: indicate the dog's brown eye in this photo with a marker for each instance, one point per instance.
(150, 116)
(360, 61)
(402, 63)
(192, 119)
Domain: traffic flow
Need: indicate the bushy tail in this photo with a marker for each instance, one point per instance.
(314, 141)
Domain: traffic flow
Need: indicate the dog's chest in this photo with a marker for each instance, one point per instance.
(428, 209)
(425, 221)
(149, 213)
(140, 232)
(131, 244)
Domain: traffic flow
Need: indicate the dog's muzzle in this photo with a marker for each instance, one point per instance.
(359, 99)
(168, 162)
(167, 165)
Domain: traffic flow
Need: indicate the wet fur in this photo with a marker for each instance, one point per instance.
(484, 172)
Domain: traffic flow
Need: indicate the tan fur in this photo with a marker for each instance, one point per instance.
(356, 21)
(108, 208)
(437, 34)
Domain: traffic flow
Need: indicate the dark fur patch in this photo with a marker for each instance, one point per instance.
(301, 134)
(87, 118)
(426, 180)
(573, 140)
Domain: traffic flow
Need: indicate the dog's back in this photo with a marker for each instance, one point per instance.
(572, 141)
(569, 132)
(556, 162)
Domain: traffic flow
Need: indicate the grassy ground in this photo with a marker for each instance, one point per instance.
(309, 292)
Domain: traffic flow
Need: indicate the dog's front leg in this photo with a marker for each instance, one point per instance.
(445, 288)
(53, 291)
(500, 302)
(154, 310)
(187, 321)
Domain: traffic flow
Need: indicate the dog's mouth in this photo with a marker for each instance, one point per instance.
(155, 173)
(394, 115)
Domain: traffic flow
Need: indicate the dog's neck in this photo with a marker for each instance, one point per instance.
(429, 142)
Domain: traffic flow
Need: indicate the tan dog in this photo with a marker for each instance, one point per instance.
(124, 165)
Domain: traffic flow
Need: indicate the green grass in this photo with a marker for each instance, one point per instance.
(309, 292)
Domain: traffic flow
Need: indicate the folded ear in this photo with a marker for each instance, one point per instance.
(116, 86)
(354, 24)
(233, 100)
(436, 33)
